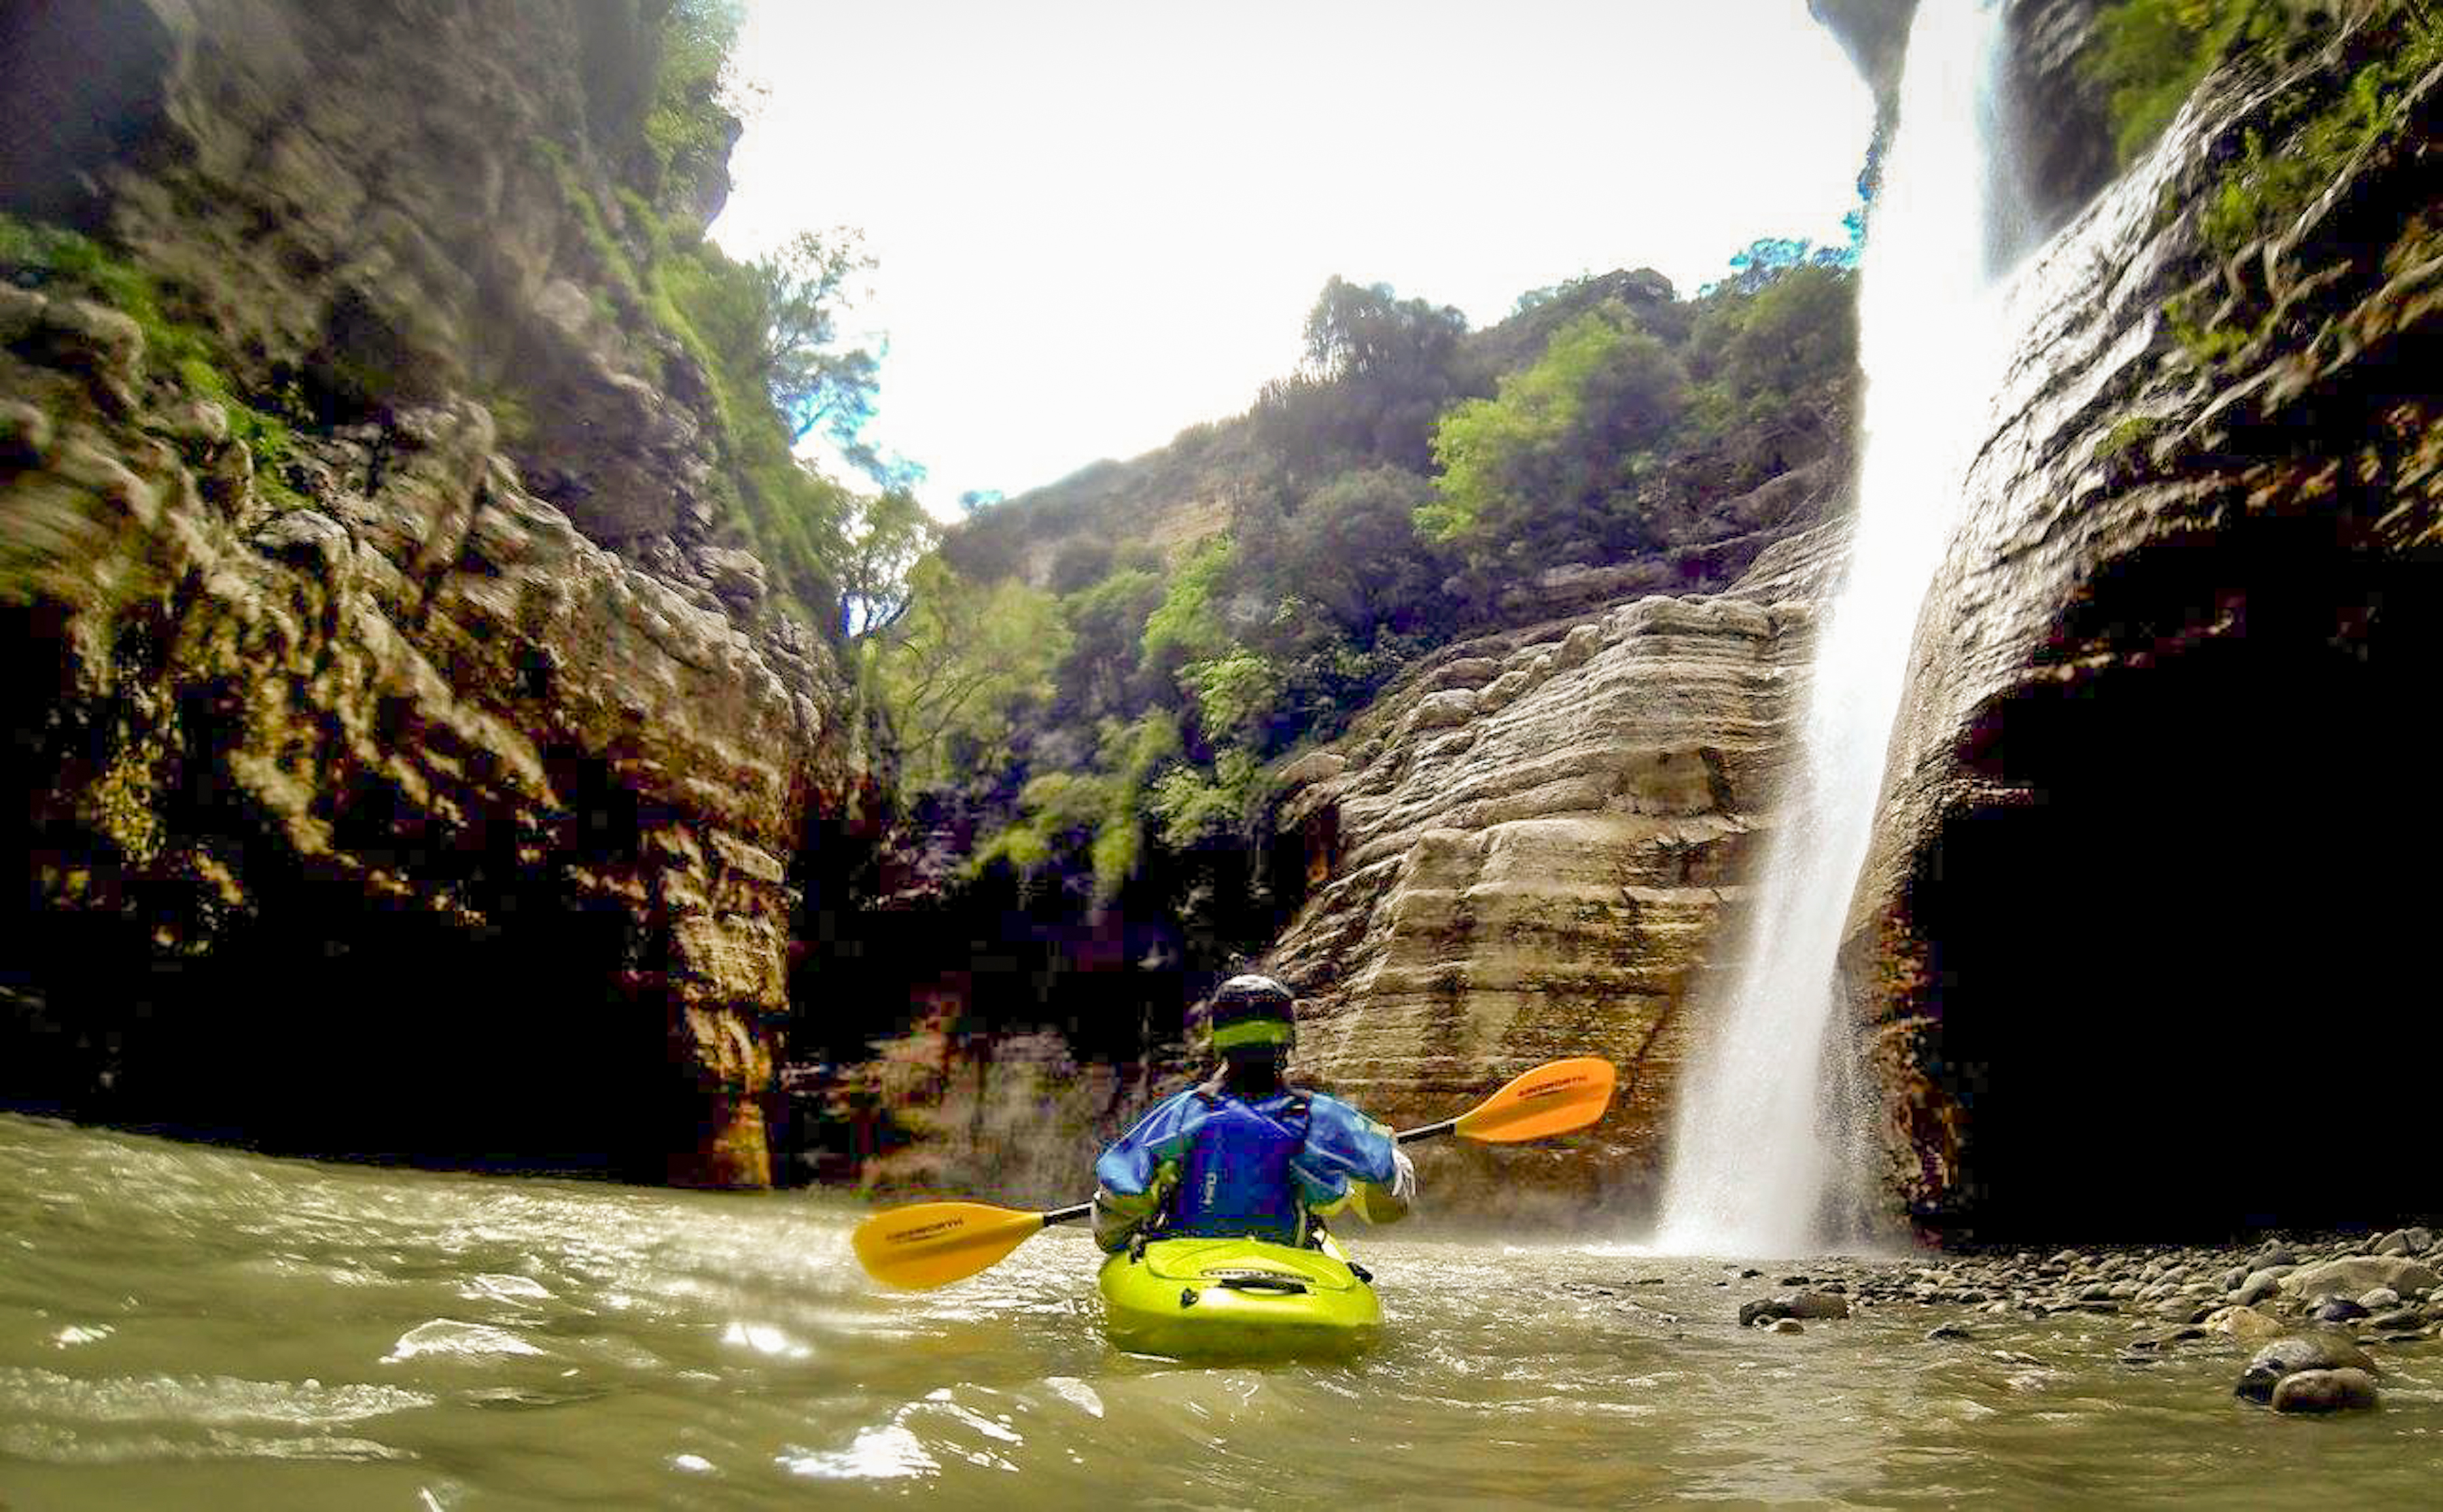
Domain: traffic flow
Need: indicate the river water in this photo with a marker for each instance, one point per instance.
(189, 1327)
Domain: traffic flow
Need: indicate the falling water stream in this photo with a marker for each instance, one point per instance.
(1769, 1127)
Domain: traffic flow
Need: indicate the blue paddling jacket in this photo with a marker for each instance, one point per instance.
(1208, 1164)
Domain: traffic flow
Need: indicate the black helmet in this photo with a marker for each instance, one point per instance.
(1250, 1013)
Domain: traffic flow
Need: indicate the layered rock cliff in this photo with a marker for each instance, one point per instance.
(2136, 903)
(408, 772)
(2156, 756)
(1535, 849)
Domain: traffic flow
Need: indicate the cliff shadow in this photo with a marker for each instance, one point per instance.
(2169, 978)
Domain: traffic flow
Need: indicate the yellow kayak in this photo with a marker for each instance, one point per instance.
(1237, 1297)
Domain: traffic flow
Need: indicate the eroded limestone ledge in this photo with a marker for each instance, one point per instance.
(2182, 585)
(422, 694)
(1528, 850)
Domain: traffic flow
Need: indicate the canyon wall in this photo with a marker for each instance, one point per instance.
(415, 774)
(2156, 768)
(2157, 778)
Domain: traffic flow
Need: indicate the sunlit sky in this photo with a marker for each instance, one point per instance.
(1099, 221)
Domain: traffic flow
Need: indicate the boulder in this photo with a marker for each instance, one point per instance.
(1441, 711)
(1315, 767)
(2260, 1284)
(2406, 1241)
(1809, 1305)
(2335, 1391)
(2318, 1351)
(2245, 1324)
(2354, 1274)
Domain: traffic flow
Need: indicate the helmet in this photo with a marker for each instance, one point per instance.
(1252, 1013)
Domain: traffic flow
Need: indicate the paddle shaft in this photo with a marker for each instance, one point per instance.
(1070, 1215)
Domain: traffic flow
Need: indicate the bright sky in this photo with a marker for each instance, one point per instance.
(1099, 221)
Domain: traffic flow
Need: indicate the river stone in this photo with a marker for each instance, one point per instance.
(2353, 1274)
(1947, 1331)
(2337, 1391)
(2245, 1324)
(2318, 1351)
(2260, 1284)
(1803, 1304)
(1786, 1325)
(2338, 1310)
(2379, 1299)
(2405, 1242)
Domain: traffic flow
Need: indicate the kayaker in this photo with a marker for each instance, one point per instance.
(1245, 1153)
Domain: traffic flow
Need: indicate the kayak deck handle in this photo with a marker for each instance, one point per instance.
(1285, 1285)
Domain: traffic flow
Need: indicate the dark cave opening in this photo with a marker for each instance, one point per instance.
(2177, 990)
(500, 1021)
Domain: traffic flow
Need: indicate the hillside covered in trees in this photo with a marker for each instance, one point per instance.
(1095, 686)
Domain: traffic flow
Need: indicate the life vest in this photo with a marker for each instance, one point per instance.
(1235, 1177)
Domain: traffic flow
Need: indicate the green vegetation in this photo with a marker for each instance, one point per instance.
(2152, 53)
(2128, 434)
(762, 341)
(686, 126)
(1561, 446)
(1121, 720)
(176, 352)
(2314, 136)
(962, 669)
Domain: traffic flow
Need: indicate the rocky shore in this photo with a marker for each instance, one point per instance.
(2318, 1310)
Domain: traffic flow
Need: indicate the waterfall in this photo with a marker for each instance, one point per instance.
(1771, 1127)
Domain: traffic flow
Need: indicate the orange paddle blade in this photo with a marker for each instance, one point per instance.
(932, 1243)
(1551, 1100)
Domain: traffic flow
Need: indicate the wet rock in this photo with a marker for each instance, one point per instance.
(2401, 1319)
(2334, 1391)
(1814, 1304)
(2379, 1299)
(2338, 1310)
(2261, 1284)
(2354, 1274)
(2245, 1324)
(2318, 1351)
(2405, 1242)
(1786, 1325)
(735, 577)
(1948, 1331)
(1315, 767)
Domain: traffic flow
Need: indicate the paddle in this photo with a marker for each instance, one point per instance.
(933, 1244)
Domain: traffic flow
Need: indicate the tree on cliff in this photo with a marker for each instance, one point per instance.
(1377, 371)
(958, 670)
(1548, 468)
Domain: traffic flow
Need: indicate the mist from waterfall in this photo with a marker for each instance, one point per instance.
(1774, 1124)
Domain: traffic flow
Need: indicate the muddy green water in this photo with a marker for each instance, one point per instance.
(183, 1327)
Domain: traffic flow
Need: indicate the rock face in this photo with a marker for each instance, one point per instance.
(1529, 853)
(374, 807)
(2188, 578)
